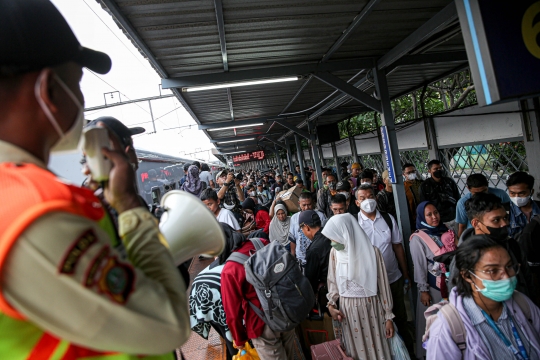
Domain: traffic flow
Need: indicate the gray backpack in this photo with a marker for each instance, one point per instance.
(284, 292)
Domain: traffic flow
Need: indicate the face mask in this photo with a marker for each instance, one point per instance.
(332, 185)
(252, 193)
(346, 194)
(438, 173)
(369, 205)
(365, 183)
(497, 290)
(337, 246)
(520, 201)
(70, 139)
(411, 176)
(497, 234)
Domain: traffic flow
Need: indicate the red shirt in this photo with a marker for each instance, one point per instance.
(262, 220)
(235, 294)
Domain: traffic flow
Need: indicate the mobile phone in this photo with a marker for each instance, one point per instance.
(94, 139)
(156, 195)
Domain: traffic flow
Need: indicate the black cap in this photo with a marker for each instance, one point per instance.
(116, 126)
(34, 35)
(343, 185)
(309, 218)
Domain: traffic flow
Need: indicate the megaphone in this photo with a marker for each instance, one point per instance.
(189, 227)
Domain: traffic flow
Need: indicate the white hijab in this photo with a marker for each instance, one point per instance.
(357, 261)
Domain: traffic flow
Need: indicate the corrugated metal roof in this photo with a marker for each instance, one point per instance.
(182, 38)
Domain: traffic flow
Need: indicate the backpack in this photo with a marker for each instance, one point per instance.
(285, 293)
(455, 322)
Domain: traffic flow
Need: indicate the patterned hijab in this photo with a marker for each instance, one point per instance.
(193, 184)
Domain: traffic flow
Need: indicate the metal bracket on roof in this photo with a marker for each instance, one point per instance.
(275, 142)
(349, 90)
(293, 128)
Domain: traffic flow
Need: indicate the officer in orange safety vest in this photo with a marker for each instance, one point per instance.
(65, 290)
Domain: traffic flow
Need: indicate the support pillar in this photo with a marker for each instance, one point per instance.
(278, 159)
(398, 188)
(354, 151)
(299, 154)
(336, 163)
(289, 154)
(431, 137)
(530, 122)
(321, 155)
(315, 154)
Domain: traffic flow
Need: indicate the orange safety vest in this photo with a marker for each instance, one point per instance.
(28, 192)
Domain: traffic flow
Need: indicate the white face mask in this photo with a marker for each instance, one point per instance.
(70, 139)
(411, 176)
(369, 205)
(346, 194)
(252, 193)
(520, 201)
(365, 183)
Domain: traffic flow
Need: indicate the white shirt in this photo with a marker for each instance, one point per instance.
(227, 217)
(380, 235)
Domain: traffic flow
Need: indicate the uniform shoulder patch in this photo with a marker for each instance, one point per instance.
(117, 280)
(76, 251)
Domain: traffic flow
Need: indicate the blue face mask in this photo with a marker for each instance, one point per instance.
(337, 245)
(497, 290)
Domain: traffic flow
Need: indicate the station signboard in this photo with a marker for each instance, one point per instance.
(388, 155)
(503, 46)
(249, 156)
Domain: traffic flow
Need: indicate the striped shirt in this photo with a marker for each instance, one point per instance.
(496, 347)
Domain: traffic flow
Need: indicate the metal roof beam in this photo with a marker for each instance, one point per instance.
(350, 29)
(438, 22)
(237, 138)
(349, 90)
(265, 73)
(221, 30)
(432, 58)
(293, 128)
(275, 142)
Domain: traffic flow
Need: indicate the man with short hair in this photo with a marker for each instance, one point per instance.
(522, 207)
(338, 205)
(210, 199)
(315, 186)
(383, 231)
(305, 203)
(184, 178)
(317, 254)
(440, 190)
(487, 216)
(385, 197)
(56, 236)
(290, 182)
(344, 188)
(300, 185)
(476, 183)
(263, 194)
(412, 186)
(366, 178)
(325, 194)
(277, 184)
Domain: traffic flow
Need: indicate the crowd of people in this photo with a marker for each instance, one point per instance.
(86, 272)
(346, 238)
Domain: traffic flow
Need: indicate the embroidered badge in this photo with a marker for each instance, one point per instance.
(117, 280)
(279, 267)
(76, 251)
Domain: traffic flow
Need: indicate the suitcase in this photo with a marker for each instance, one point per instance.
(330, 350)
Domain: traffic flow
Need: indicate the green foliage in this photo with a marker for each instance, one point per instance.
(447, 94)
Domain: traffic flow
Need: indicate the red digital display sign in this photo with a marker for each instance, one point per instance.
(250, 156)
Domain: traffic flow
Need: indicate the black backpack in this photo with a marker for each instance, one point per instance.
(285, 293)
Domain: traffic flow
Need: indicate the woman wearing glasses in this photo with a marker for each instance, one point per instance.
(500, 323)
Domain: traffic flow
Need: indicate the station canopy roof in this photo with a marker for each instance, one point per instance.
(329, 46)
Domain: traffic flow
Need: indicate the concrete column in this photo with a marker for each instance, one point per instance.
(315, 154)
(431, 137)
(289, 154)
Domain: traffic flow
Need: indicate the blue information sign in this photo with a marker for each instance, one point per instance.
(388, 155)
